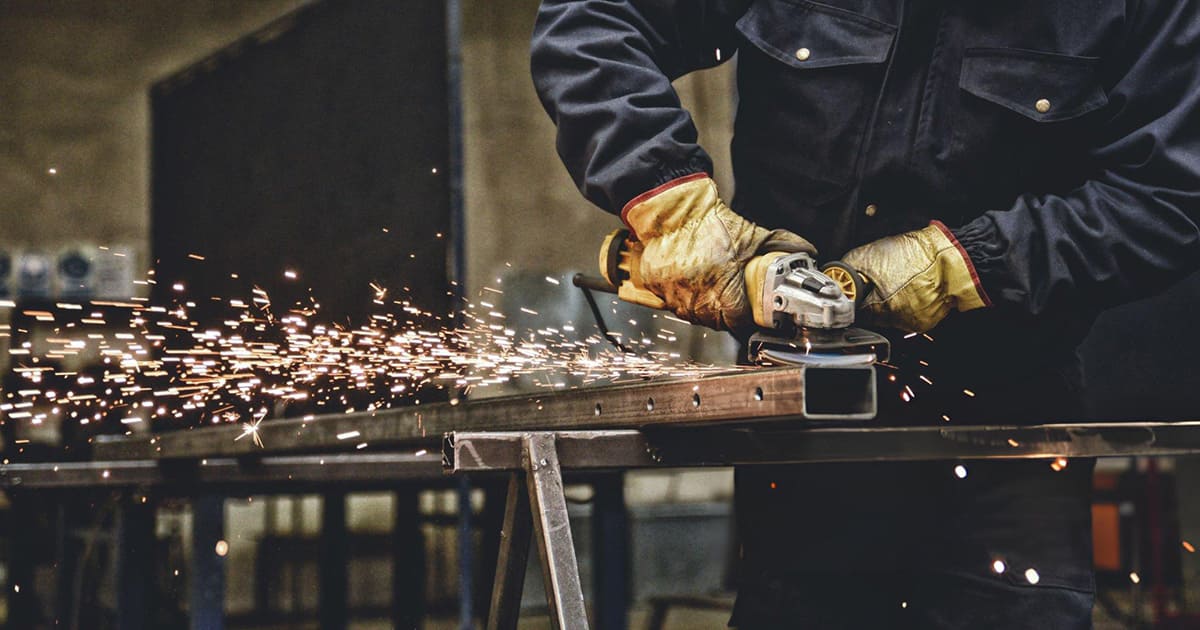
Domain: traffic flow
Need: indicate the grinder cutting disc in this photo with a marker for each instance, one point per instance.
(844, 347)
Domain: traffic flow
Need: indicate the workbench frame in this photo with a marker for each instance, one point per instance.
(742, 417)
(536, 510)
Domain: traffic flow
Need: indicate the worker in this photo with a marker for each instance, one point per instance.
(1002, 172)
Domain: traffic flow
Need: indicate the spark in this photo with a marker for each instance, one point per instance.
(999, 567)
(1134, 577)
(1188, 546)
(256, 354)
(960, 471)
(1059, 464)
(251, 429)
(1031, 576)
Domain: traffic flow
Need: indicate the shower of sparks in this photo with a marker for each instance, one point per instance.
(146, 362)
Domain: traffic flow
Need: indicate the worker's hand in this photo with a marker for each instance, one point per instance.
(918, 277)
(695, 249)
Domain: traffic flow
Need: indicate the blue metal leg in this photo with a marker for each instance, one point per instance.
(610, 553)
(207, 585)
(334, 556)
(135, 565)
(466, 557)
(408, 562)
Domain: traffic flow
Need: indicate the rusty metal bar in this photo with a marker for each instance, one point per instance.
(744, 395)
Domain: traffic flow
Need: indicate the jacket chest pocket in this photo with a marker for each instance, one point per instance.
(806, 90)
(1026, 114)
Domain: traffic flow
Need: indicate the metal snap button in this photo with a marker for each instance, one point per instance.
(1042, 105)
(803, 54)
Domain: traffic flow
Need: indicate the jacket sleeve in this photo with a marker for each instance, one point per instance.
(1130, 229)
(603, 70)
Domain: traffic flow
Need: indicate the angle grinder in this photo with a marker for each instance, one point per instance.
(805, 313)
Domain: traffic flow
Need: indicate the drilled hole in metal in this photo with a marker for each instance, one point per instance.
(597, 409)
(695, 400)
(649, 404)
(758, 393)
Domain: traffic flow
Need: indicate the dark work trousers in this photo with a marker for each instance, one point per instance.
(928, 545)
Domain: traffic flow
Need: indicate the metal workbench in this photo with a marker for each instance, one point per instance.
(744, 417)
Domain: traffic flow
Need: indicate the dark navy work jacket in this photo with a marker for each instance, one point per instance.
(1060, 140)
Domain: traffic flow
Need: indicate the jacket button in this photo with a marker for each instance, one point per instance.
(1042, 105)
(803, 54)
(871, 210)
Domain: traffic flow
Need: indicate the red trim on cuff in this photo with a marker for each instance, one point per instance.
(987, 301)
(658, 189)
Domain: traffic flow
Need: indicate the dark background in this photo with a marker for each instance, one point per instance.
(295, 147)
(1140, 359)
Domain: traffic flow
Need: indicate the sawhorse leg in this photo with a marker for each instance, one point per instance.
(540, 503)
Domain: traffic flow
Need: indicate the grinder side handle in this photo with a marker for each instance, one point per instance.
(620, 260)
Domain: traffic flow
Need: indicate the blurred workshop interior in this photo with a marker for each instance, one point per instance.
(340, 154)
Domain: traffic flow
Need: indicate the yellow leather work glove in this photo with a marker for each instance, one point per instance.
(919, 278)
(695, 249)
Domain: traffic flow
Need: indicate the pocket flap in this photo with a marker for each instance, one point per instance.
(806, 34)
(1043, 86)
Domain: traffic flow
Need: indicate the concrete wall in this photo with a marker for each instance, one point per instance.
(522, 207)
(525, 217)
(73, 97)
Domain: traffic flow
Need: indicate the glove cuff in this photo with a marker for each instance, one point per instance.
(961, 280)
(667, 207)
